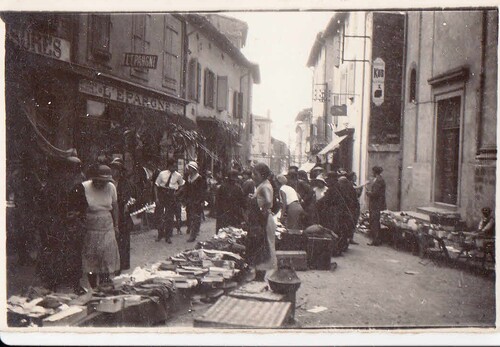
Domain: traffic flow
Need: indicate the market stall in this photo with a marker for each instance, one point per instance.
(437, 234)
(213, 272)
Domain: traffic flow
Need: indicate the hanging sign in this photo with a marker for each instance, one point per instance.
(378, 81)
(339, 111)
(140, 61)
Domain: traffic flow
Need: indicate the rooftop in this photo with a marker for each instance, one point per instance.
(210, 31)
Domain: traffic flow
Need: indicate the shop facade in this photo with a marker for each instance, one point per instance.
(357, 66)
(219, 90)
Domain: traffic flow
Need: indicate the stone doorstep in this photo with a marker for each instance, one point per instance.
(428, 210)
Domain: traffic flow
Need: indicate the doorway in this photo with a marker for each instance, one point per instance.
(447, 150)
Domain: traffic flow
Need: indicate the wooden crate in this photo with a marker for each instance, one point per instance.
(297, 259)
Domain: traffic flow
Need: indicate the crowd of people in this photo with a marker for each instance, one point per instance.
(85, 224)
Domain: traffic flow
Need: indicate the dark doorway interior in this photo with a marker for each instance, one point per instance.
(447, 150)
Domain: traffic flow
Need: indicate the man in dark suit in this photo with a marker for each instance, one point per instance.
(377, 203)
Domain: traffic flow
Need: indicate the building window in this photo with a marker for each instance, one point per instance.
(172, 54)
(222, 93)
(336, 50)
(194, 86)
(413, 85)
(209, 91)
(262, 130)
(100, 27)
(140, 41)
(237, 105)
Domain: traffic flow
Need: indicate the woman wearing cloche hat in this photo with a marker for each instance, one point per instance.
(100, 255)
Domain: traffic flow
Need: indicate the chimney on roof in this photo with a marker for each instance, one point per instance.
(268, 114)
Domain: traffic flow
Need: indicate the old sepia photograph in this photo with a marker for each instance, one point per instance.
(250, 170)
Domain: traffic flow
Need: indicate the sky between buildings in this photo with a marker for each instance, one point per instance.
(280, 43)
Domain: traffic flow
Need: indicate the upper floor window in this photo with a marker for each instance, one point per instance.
(140, 41)
(100, 29)
(413, 86)
(194, 82)
(222, 93)
(209, 82)
(172, 54)
(237, 105)
(336, 50)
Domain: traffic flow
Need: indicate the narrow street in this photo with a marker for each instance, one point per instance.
(382, 122)
(371, 287)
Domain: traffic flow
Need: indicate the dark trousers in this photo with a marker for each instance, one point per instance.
(375, 225)
(194, 213)
(178, 214)
(164, 214)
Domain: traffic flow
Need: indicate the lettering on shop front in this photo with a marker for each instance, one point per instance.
(128, 97)
(34, 42)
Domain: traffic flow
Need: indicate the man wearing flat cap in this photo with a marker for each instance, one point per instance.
(377, 203)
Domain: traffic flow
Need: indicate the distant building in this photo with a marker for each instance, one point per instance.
(219, 89)
(234, 29)
(280, 156)
(357, 66)
(261, 139)
(450, 112)
(303, 127)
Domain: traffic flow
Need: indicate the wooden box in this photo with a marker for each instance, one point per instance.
(292, 240)
(319, 253)
(297, 259)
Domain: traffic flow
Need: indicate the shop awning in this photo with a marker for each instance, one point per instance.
(307, 166)
(332, 145)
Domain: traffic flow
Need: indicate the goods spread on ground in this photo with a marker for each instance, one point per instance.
(438, 233)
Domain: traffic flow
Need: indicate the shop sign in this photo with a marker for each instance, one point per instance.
(339, 111)
(46, 45)
(378, 81)
(129, 97)
(140, 61)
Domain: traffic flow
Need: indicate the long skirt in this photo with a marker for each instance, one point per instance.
(100, 250)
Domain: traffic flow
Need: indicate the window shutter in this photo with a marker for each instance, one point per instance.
(213, 87)
(198, 81)
(206, 90)
(172, 54)
(235, 104)
(100, 36)
(192, 83)
(222, 93)
(336, 51)
(240, 105)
